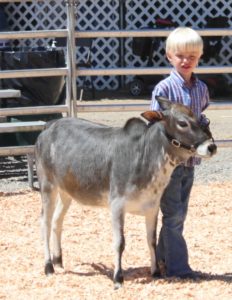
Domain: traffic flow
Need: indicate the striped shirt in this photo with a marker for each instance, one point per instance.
(196, 97)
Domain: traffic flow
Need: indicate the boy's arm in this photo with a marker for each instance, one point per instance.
(158, 91)
(204, 121)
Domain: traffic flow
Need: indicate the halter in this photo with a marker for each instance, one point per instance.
(178, 144)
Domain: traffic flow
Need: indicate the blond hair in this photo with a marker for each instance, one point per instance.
(184, 39)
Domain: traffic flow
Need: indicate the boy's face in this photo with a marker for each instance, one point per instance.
(184, 61)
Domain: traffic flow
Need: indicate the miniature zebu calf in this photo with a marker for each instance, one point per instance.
(124, 168)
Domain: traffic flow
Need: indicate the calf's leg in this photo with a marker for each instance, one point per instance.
(151, 225)
(117, 215)
(48, 205)
(63, 203)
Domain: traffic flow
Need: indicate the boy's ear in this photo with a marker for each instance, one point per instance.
(169, 57)
(153, 116)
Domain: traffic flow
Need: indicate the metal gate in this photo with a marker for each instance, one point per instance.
(71, 107)
(118, 15)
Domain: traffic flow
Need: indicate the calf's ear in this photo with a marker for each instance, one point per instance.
(152, 116)
(164, 102)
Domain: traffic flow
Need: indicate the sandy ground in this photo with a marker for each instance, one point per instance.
(87, 244)
(88, 257)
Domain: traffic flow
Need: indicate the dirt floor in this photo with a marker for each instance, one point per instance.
(87, 243)
(88, 258)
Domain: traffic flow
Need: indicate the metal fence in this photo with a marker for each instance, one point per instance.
(120, 15)
(71, 73)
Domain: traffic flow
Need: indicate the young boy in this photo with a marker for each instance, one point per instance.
(184, 48)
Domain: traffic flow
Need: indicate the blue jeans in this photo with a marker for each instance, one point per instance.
(172, 248)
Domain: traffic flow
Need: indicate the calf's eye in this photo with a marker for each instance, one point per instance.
(183, 124)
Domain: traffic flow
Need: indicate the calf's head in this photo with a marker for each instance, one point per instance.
(182, 129)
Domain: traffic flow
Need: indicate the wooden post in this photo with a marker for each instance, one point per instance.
(71, 4)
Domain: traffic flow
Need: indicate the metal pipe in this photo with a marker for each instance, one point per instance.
(8, 35)
(224, 143)
(36, 110)
(222, 105)
(17, 111)
(19, 150)
(22, 126)
(69, 65)
(13, 1)
(104, 71)
(147, 71)
(147, 33)
(71, 55)
(33, 73)
(104, 33)
(137, 107)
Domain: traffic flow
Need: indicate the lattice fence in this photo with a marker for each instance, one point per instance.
(116, 15)
(184, 13)
(102, 15)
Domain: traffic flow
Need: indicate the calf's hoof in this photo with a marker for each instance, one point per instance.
(117, 285)
(57, 261)
(156, 275)
(118, 280)
(49, 269)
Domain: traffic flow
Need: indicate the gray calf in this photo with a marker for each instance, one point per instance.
(126, 169)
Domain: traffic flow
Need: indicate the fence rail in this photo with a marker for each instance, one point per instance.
(19, 150)
(18, 111)
(138, 107)
(147, 71)
(71, 72)
(146, 33)
(8, 35)
(33, 73)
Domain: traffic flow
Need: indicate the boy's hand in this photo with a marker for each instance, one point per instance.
(205, 128)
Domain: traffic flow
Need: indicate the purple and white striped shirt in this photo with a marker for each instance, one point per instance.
(175, 89)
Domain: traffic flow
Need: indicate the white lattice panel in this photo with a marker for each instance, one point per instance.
(91, 15)
(36, 16)
(101, 15)
(116, 15)
(185, 13)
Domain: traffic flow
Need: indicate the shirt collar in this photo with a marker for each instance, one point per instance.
(179, 79)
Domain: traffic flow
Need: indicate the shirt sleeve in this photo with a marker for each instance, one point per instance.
(203, 119)
(158, 91)
(206, 99)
